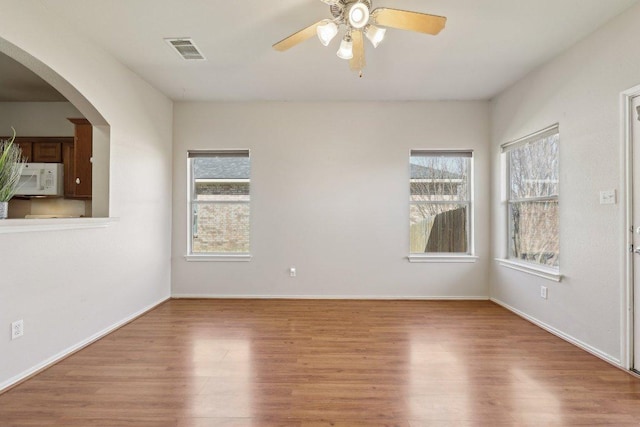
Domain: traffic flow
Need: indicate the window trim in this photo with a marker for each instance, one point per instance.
(218, 257)
(190, 256)
(541, 134)
(536, 269)
(549, 273)
(441, 257)
(446, 257)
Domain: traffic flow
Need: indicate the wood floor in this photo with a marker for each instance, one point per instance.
(311, 362)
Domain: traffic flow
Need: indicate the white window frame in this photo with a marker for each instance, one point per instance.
(191, 202)
(533, 268)
(442, 257)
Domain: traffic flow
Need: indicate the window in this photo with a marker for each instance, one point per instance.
(219, 199)
(532, 192)
(440, 202)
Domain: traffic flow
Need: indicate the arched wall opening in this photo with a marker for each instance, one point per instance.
(98, 204)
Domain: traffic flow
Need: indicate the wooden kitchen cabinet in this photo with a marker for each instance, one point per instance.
(41, 149)
(27, 147)
(77, 159)
(46, 152)
(68, 171)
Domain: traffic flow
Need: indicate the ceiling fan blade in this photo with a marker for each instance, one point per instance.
(357, 63)
(298, 37)
(405, 20)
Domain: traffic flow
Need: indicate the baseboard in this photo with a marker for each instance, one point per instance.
(570, 339)
(344, 297)
(23, 376)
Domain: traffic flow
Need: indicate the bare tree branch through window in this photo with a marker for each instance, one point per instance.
(533, 186)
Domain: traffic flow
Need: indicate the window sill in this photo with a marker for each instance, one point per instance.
(535, 270)
(442, 258)
(218, 258)
(55, 224)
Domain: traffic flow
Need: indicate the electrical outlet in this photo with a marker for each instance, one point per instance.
(608, 197)
(17, 329)
(292, 272)
(543, 292)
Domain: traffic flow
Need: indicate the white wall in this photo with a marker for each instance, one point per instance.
(329, 195)
(580, 90)
(37, 118)
(70, 285)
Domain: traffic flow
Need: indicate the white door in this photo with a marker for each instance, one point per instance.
(635, 130)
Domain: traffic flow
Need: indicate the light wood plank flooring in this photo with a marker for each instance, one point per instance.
(315, 362)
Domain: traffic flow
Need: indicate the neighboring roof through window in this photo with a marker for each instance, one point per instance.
(221, 168)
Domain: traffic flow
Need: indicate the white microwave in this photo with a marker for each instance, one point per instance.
(41, 179)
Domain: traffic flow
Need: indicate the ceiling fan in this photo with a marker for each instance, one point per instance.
(359, 20)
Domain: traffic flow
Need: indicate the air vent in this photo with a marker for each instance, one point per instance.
(185, 48)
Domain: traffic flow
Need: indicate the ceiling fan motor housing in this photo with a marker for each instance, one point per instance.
(355, 13)
(358, 15)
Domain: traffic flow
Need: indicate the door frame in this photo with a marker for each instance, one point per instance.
(627, 298)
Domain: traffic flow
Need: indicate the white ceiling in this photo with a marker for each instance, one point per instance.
(486, 46)
(19, 84)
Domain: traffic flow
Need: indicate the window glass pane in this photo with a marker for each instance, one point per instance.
(439, 178)
(220, 227)
(207, 190)
(533, 169)
(534, 232)
(221, 167)
(440, 201)
(220, 196)
(438, 227)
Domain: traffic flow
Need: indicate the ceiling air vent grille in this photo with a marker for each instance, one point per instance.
(185, 48)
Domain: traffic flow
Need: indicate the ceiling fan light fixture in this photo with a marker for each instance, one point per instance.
(374, 34)
(358, 15)
(327, 32)
(346, 48)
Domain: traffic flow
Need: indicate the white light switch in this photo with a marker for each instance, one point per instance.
(608, 197)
